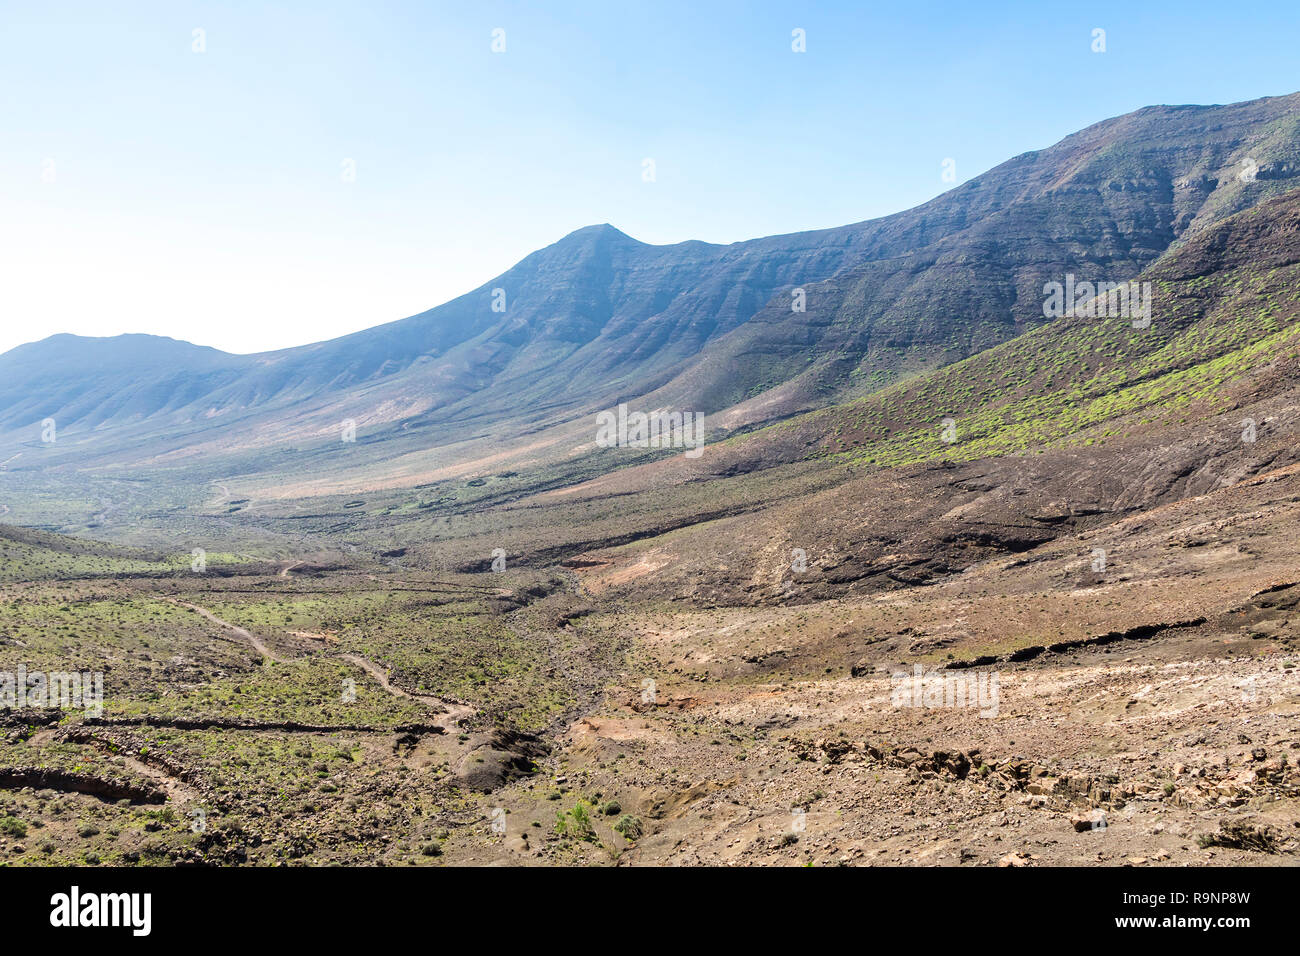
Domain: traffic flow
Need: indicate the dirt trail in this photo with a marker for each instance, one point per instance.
(220, 499)
(252, 639)
(454, 713)
(178, 792)
(284, 571)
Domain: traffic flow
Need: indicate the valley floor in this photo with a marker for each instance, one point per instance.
(1163, 732)
(330, 709)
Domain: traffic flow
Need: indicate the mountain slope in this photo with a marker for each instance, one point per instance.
(86, 382)
(597, 298)
(1079, 425)
(598, 317)
(1073, 427)
(969, 267)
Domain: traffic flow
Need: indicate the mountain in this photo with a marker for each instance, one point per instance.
(598, 317)
(1084, 424)
(966, 270)
(597, 300)
(87, 382)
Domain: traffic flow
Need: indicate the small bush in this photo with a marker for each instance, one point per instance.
(576, 823)
(629, 826)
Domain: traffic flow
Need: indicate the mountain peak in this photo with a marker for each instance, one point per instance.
(133, 344)
(600, 232)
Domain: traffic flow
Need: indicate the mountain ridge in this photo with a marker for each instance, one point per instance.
(598, 317)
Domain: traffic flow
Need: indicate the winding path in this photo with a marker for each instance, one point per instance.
(452, 713)
(255, 641)
(455, 712)
(221, 499)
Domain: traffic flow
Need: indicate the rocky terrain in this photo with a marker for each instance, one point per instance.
(951, 583)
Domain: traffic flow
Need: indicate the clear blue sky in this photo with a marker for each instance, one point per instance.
(201, 195)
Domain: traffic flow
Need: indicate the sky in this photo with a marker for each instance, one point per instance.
(253, 176)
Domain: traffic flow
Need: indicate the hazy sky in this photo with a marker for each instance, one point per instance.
(147, 187)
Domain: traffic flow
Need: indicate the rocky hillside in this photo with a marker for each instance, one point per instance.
(599, 317)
